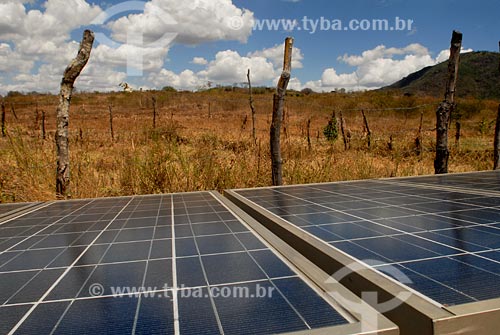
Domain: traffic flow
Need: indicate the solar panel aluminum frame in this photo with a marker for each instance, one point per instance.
(417, 315)
(367, 320)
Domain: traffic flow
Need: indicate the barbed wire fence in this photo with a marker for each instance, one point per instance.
(300, 114)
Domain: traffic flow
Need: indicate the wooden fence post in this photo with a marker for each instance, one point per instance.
(111, 123)
(497, 143)
(36, 125)
(13, 110)
(345, 132)
(419, 139)
(278, 106)
(252, 108)
(496, 150)
(368, 131)
(62, 141)
(446, 107)
(42, 127)
(4, 131)
(458, 133)
(154, 112)
(309, 144)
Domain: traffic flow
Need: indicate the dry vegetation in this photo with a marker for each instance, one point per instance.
(202, 142)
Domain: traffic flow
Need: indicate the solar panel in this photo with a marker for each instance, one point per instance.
(482, 181)
(442, 242)
(198, 268)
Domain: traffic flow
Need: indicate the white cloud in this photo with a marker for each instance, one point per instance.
(378, 67)
(10, 61)
(229, 67)
(276, 55)
(187, 79)
(295, 84)
(36, 44)
(194, 22)
(199, 61)
(445, 54)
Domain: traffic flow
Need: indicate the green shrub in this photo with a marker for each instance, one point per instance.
(331, 130)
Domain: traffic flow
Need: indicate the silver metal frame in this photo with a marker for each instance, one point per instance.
(415, 316)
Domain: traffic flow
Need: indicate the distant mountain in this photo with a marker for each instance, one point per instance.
(479, 77)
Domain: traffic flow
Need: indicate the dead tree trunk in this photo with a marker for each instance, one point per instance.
(343, 129)
(278, 105)
(446, 108)
(4, 131)
(418, 140)
(111, 123)
(252, 108)
(368, 131)
(154, 112)
(62, 139)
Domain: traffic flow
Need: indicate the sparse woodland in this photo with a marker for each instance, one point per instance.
(203, 141)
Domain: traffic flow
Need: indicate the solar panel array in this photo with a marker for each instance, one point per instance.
(439, 232)
(60, 264)
(484, 181)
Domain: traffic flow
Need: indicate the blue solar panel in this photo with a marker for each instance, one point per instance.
(176, 248)
(443, 232)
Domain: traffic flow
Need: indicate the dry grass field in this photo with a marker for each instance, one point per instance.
(202, 141)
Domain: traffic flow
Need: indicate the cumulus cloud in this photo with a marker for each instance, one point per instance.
(227, 67)
(36, 44)
(9, 60)
(276, 55)
(199, 61)
(230, 67)
(193, 22)
(445, 54)
(378, 67)
(187, 79)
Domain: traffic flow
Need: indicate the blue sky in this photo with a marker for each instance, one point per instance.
(39, 37)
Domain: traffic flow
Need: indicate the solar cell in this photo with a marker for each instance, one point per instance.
(438, 227)
(60, 267)
(441, 233)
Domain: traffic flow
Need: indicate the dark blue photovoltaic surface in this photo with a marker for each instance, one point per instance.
(51, 260)
(484, 181)
(445, 238)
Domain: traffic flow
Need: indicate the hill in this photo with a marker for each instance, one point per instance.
(479, 77)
